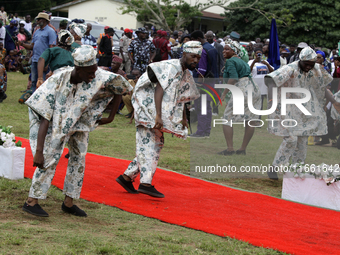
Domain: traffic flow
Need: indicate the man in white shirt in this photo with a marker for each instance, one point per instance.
(2, 34)
(259, 68)
(28, 24)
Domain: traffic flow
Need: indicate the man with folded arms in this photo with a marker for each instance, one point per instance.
(65, 109)
(158, 101)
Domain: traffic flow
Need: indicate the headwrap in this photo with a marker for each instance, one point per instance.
(193, 47)
(79, 29)
(84, 56)
(322, 53)
(235, 46)
(70, 38)
(22, 22)
(308, 54)
(115, 58)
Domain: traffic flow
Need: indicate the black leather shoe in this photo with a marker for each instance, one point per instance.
(75, 210)
(150, 190)
(127, 185)
(35, 210)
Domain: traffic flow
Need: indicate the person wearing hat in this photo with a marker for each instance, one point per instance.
(89, 39)
(124, 43)
(312, 77)
(300, 47)
(44, 38)
(65, 109)
(155, 114)
(243, 54)
(142, 51)
(11, 32)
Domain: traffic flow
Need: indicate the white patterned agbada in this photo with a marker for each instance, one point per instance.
(315, 81)
(72, 111)
(179, 87)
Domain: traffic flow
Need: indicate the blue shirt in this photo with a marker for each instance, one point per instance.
(42, 40)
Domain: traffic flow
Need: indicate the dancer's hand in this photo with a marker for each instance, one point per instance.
(158, 122)
(38, 160)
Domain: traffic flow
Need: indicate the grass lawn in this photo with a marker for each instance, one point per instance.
(109, 230)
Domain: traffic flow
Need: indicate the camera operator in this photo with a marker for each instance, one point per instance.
(11, 35)
(259, 68)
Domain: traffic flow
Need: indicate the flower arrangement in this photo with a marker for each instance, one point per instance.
(328, 173)
(7, 138)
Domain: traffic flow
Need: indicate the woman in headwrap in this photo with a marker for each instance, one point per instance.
(56, 57)
(321, 59)
(238, 73)
(77, 31)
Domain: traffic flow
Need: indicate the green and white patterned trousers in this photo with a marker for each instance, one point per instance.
(149, 143)
(53, 149)
(294, 147)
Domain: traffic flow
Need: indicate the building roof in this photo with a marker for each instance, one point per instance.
(211, 16)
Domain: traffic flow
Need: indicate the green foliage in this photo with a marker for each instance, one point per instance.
(169, 14)
(297, 21)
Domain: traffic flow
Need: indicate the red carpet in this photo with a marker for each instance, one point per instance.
(258, 219)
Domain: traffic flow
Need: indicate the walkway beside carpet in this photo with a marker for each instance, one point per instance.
(255, 218)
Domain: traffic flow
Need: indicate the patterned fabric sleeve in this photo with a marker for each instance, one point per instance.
(115, 83)
(281, 75)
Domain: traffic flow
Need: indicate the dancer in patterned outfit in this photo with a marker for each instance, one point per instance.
(299, 74)
(143, 51)
(64, 109)
(158, 100)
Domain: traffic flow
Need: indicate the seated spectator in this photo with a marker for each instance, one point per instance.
(3, 53)
(3, 83)
(11, 61)
(115, 66)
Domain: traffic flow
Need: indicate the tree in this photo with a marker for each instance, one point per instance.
(298, 21)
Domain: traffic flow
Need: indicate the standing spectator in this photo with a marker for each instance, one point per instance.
(123, 48)
(89, 39)
(11, 32)
(16, 17)
(23, 31)
(243, 54)
(259, 68)
(43, 38)
(105, 48)
(28, 24)
(238, 73)
(292, 48)
(220, 64)
(3, 15)
(296, 56)
(62, 25)
(140, 50)
(2, 33)
(207, 68)
(164, 46)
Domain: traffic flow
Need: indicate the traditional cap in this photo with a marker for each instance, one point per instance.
(106, 27)
(126, 30)
(141, 30)
(235, 46)
(235, 35)
(159, 32)
(84, 56)
(302, 45)
(43, 15)
(63, 22)
(13, 21)
(164, 33)
(308, 54)
(69, 39)
(22, 22)
(193, 47)
(79, 29)
(115, 58)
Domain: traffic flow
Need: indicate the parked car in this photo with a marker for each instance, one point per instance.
(97, 29)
